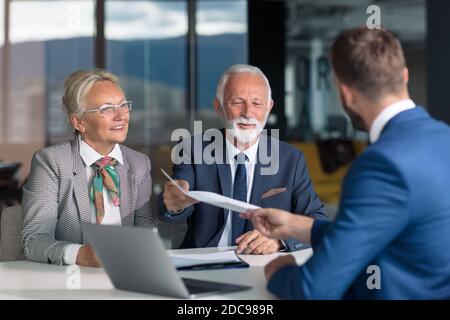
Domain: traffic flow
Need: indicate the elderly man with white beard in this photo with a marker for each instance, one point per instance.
(243, 101)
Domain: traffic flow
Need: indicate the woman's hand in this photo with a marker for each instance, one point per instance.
(86, 257)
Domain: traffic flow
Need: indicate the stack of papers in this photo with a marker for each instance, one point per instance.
(215, 199)
(215, 260)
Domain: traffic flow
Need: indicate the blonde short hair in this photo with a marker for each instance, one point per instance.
(78, 85)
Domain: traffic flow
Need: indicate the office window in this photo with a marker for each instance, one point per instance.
(49, 40)
(147, 48)
(313, 108)
(221, 41)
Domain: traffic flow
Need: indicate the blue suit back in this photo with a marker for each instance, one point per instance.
(394, 215)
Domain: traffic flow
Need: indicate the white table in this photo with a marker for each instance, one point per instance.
(30, 280)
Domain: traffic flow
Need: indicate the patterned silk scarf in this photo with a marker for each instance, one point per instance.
(105, 175)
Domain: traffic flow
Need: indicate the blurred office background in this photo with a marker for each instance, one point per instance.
(169, 55)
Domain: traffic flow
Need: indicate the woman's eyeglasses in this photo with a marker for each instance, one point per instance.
(110, 109)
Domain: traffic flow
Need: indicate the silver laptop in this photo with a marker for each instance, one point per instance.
(135, 260)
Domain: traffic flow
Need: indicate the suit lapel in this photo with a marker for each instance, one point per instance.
(224, 174)
(224, 171)
(260, 183)
(126, 192)
(80, 186)
(225, 178)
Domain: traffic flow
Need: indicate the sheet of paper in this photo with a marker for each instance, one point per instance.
(185, 260)
(260, 260)
(215, 199)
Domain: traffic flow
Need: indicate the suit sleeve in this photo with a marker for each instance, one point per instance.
(143, 215)
(181, 171)
(373, 212)
(304, 199)
(40, 208)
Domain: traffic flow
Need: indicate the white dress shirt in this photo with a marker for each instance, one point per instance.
(112, 213)
(387, 114)
(232, 151)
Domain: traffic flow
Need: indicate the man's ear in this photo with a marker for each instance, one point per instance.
(271, 103)
(218, 107)
(77, 123)
(347, 93)
(405, 75)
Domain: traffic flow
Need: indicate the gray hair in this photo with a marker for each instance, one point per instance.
(238, 69)
(78, 85)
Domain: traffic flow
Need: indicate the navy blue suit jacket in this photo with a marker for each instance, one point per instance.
(206, 222)
(394, 214)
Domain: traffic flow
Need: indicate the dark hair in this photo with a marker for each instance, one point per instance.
(369, 60)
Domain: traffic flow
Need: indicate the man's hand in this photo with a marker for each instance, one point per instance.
(279, 224)
(278, 263)
(87, 257)
(253, 242)
(174, 199)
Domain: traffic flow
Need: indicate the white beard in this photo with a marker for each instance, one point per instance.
(245, 136)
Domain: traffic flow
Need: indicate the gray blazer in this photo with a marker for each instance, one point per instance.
(56, 199)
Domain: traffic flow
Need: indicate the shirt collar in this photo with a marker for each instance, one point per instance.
(386, 115)
(89, 155)
(250, 152)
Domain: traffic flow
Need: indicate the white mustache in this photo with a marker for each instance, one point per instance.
(253, 121)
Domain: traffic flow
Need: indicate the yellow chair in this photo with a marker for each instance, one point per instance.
(327, 186)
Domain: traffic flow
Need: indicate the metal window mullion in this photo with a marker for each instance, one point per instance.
(192, 62)
(99, 41)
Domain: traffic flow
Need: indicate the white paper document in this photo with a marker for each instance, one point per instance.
(189, 260)
(215, 199)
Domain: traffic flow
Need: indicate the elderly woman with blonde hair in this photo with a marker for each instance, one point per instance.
(90, 179)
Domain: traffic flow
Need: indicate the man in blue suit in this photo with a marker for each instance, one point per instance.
(243, 101)
(391, 237)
